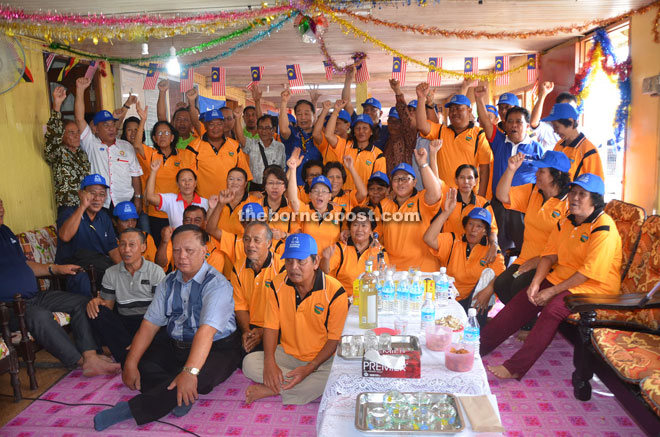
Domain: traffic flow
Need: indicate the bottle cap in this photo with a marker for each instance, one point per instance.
(443, 269)
(472, 312)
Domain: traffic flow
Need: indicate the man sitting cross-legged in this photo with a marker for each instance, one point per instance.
(308, 309)
(199, 348)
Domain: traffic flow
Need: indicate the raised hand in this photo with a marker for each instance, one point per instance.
(422, 91)
(163, 85)
(546, 88)
(396, 86)
(348, 161)
(192, 94)
(238, 112)
(435, 145)
(327, 105)
(59, 95)
(213, 201)
(516, 161)
(450, 201)
(421, 156)
(340, 104)
(180, 105)
(480, 92)
(226, 196)
(142, 112)
(329, 251)
(85, 198)
(256, 92)
(285, 95)
(155, 164)
(166, 234)
(295, 160)
(314, 94)
(430, 96)
(82, 83)
(132, 100)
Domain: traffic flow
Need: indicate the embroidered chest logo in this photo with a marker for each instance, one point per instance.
(482, 262)
(231, 153)
(468, 138)
(177, 164)
(409, 205)
(318, 309)
(368, 162)
(584, 237)
(122, 153)
(555, 213)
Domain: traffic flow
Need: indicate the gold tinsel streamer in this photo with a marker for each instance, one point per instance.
(347, 28)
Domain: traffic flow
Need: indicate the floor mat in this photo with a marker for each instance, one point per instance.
(221, 412)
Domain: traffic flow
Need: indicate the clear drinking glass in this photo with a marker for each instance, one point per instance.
(378, 418)
(445, 414)
(356, 346)
(385, 342)
(370, 341)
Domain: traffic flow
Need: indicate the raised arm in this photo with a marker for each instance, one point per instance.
(535, 118)
(238, 125)
(423, 126)
(434, 148)
(137, 141)
(317, 132)
(332, 123)
(431, 113)
(467, 85)
(150, 194)
(70, 226)
(285, 131)
(256, 96)
(216, 205)
(82, 83)
(484, 176)
(192, 109)
(120, 113)
(346, 91)
(504, 185)
(432, 185)
(161, 106)
(360, 188)
(55, 127)
(431, 234)
(292, 186)
(480, 93)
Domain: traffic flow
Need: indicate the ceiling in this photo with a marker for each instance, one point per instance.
(286, 46)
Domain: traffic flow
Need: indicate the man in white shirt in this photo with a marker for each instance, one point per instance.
(113, 159)
(263, 150)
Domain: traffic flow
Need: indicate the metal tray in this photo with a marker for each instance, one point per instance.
(401, 343)
(366, 401)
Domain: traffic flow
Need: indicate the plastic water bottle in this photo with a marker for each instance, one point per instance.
(387, 293)
(379, 289)
(416, 293)
(441, 287)
(471, 332)
(428, 313)
(403, 295)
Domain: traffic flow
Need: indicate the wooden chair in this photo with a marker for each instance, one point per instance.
(8, 355)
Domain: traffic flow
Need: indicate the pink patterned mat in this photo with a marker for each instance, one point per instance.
(221, 412)
(542, 404)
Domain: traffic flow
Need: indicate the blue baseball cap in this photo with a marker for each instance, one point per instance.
(344, 115)
(590, 182)
(492, 109)
(321, 180)
(562, 111)
(372, 102)
(552, 159)
(299, 246)
(458, 99)
(214, 114)
(393, 113)
(480, 214)
(93, 179)
(508, 99)
(413, 103)
(125, 210)
(291, 117)
(252, 211)
(363, 118)
(102, 116)
(405, 167)
(379, 175)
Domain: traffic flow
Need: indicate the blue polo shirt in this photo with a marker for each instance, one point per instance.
(302, 140)
(96, 235)
(15, 275)
(502, 151)
(206, 299)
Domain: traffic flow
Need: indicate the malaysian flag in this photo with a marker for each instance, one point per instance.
(152, 77)
(399, 70)
(65, 71)
(186, 80)
(361, 72)
(434, 78)
(49, 61)
(471, 65)
(502, 65)
(531, 68)
(255, 74)
(328, 70)
(218, 81)
(296, 83)
(93, 66)
(535, 92)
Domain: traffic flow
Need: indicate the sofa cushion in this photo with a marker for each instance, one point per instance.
(644, 271)
(629, 219)
(40, 246)
(4, 350)
(650, 389)
(633, 355)
(646, 318)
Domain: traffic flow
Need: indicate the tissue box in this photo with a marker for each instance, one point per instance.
(412, 370)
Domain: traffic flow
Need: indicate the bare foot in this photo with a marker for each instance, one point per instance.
(522, 335)
(502, 372)
(256, 392)
(94, 365)
(106, 358)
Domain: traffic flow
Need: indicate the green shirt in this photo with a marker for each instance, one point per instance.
(249, 135)
(182, 144)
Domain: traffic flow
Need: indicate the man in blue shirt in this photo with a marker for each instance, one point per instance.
(504, 146)
(298, 135)
(198, 348)
(86, 235)
(18, 276)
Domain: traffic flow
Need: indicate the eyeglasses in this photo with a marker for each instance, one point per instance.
(265, 127)
(320, 192)
(402, 179)
(274, 183)
(163, 134)
(98, 194)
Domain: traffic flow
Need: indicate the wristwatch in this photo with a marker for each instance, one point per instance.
(192, 370)
(426, 164)
(138, 196)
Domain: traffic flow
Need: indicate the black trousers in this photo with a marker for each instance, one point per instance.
(466, 303)
(156, 225)
(116, 331)
(163, 361)
(511, 226)
(507, 287)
